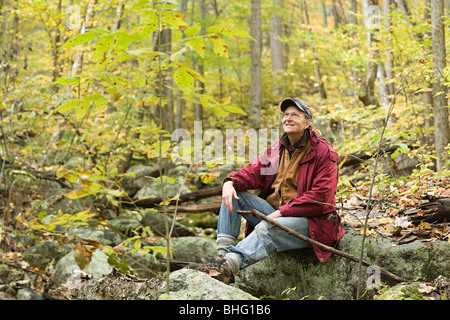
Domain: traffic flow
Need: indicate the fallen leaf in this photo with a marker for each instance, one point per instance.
(423, 287)
(401, 222)
(82, 256)
(213, 273)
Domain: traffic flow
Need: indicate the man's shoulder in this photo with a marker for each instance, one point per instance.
(324, 147)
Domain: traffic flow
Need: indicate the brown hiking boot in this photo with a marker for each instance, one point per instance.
(218, 269)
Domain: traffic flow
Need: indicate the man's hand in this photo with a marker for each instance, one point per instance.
(274, 215)
(228, 193)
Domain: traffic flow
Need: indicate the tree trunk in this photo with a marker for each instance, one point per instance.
(324, 14)
(118, 18)
(56, 44)
(367, 87)
(180, 102)
(388, 63)
(276, 46)
(255, 65)
(128, 156)
(441, 124)
(78, 60)
(162, 43)
(198, 108)
(321, 87)
(352, 15)
(276, 32)
(340, 11)
(383, 90)
(428, 95)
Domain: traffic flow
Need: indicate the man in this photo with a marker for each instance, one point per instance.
(297, 177)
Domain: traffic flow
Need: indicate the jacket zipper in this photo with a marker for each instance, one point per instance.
(279, 193)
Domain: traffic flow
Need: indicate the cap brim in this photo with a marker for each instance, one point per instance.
(287, 103)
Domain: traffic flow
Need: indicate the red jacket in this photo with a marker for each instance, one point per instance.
(317, 181)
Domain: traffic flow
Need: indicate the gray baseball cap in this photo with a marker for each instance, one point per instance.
(296, 103)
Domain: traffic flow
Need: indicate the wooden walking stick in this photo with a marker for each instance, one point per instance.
(322, 246)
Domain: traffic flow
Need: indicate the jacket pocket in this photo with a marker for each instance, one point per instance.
(328, 231)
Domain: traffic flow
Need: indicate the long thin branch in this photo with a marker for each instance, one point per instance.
(367, 211)
(320, 245)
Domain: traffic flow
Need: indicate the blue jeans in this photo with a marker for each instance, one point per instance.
(266, 238)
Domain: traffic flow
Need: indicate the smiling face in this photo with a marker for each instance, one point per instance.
(295, 123)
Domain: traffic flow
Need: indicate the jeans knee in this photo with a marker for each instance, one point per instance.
(263, 227)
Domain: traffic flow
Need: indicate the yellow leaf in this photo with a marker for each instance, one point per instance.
(183, 79)
(82, 110)
(76, 194)
(220, 47)
(210, 176)
(193, 30)
(82, 256)
(198, 44)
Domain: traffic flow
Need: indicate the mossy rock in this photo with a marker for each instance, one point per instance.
(200, 220)
(403, 291)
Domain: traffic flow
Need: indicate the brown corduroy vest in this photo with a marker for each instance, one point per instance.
(284, 187)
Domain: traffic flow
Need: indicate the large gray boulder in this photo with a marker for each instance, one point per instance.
(67, 268)
(192, 249)
(298, 274)
(44, 254)
(156, 222)
(187, 284)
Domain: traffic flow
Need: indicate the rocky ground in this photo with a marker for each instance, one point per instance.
(66, 242)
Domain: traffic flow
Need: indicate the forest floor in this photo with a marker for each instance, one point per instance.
(416, 208)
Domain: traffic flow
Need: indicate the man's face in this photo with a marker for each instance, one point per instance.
(294, 121)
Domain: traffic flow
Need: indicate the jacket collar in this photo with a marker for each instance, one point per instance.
(284, 140)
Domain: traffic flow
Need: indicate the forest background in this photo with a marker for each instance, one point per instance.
(91, 88)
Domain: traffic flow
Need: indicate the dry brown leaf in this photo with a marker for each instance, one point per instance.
(82, 256)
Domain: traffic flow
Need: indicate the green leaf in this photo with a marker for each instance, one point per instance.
(174, 19)
(68, 106)
(122, 44)
(97, 99)
(183, 79)
(220, 47)
(148, 29)
(80, 39)
(145, 52)
(198, 44)
(234, 109)
(82, 110)
(68, 81)
(229, 32)
(193, 30)
(218, 111)
(115, 193)
(102, 47)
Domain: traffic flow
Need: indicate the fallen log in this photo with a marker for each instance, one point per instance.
(203, 207)
(432, 212)
(322, 246)
(184, 197)
(113, 286)
(347, 160)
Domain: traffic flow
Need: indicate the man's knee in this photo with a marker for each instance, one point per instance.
(263, 227)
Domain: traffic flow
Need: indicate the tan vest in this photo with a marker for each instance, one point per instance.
(284, 187)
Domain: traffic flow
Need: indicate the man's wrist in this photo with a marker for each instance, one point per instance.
(227, 180)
